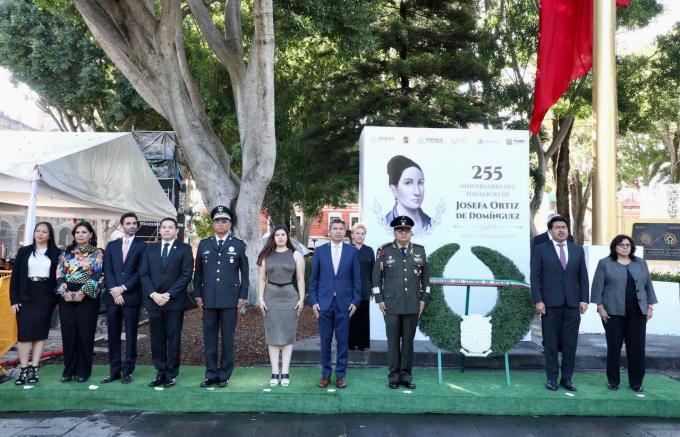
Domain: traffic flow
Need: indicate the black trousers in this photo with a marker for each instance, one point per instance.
(560, 329)
(116, 317)
(215, 322)
(78, 326)
(631, 328)
(360, 328)
(166, 337)
(400, 329)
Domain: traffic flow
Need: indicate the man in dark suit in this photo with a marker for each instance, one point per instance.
(334, 293)
(165, 272)
(559, 288)
(221, 289)
(123, 297)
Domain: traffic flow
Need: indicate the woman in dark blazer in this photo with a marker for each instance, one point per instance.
(80, 281)
(32, 300)
(359, 324)
(624, 294)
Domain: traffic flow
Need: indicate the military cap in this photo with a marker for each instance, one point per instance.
(221, 212)
(403, 221)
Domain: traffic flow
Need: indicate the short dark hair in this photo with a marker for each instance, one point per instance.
(128, 215)
(336, 221)
(558, 218)
(616, 241)
(169, 219)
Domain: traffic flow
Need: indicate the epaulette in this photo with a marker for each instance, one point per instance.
(418, 245)
(237, 239)
(381, 250)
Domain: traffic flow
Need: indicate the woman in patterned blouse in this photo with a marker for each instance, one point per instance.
(79, 283)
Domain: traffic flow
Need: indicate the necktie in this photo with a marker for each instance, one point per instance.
(126, 247)
(219, 244)
(164, 255)
(336, 257)
(563, 256)
(403, 251)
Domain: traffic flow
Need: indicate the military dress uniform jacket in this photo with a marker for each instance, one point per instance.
(401, 281)
(221, 274)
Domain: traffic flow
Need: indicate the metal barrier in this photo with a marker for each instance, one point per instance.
(467, 283)
(8, 321)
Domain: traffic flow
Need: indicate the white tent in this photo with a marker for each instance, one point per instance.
(94, 175)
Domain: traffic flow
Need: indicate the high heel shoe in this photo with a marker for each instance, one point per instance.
(33, 376)
(274, 381)
(23, 376)
(285, 380)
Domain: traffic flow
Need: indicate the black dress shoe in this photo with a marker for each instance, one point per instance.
(126, 379)
(66, 378)
(613, 387)
(568, 385)
(638, 389)
(110, 378)
(393, 385)
(208, 382)
(169, 383)
(80, 379)
(223, 383)
(156, 382)
(551, 385)
(409, 385)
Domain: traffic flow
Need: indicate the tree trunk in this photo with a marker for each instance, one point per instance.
(579, 203)
(148, 46)
(562, 179)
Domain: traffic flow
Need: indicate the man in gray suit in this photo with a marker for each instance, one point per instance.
(559, 288)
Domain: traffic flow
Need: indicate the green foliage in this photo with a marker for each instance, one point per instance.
(511, 316)
(665, 277)
(58, 59)
(204, 227)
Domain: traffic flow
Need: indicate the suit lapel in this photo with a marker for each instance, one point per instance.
(213, 243)
(553, 252)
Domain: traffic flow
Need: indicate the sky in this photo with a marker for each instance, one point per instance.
(18, 101)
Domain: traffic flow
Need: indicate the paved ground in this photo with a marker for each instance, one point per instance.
(256, 424)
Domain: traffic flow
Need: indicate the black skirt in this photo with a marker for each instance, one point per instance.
(35, 314)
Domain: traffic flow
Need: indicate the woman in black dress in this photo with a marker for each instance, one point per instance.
(359, 324)
(32, 298)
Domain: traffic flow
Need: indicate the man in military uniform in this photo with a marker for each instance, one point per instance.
(220, 289)
(401, 286)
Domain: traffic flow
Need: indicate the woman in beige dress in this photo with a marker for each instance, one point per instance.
(280, 269)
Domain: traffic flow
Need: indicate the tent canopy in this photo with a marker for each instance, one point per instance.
(94, 175)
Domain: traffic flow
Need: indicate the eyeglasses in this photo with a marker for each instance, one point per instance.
(220, 221)
(623, 245)
(403, 230)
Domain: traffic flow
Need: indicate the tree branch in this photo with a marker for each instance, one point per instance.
(117, 47)
(566, 124)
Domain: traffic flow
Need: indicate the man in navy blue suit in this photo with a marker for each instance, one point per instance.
(165, 273)
(123, 298)
(334, 293)
(559, 289)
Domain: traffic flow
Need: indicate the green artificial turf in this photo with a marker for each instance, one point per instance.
(472, 392)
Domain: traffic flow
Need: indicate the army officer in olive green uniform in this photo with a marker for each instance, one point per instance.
(401, 286)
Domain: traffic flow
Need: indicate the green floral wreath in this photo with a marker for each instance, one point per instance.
(510, 317)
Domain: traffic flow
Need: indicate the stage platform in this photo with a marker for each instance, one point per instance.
(473, 392)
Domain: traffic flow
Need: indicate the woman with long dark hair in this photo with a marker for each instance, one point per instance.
(79, 283)
(280, 269)
(624, 294)
(31, 298)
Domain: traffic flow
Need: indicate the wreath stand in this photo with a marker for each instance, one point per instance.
(467, 283)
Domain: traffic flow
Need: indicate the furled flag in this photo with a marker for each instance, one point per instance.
(565, 50)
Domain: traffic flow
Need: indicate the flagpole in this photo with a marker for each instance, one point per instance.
(605, 122)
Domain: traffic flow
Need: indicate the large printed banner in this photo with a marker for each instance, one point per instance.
(464, 186)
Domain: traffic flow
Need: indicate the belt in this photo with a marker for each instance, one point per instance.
(37, 279)
(280, 285)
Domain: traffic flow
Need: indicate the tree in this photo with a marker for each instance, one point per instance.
(146, 41)
(76, 84)
(641, 157)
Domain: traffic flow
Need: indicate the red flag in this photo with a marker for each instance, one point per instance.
(565, 51)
